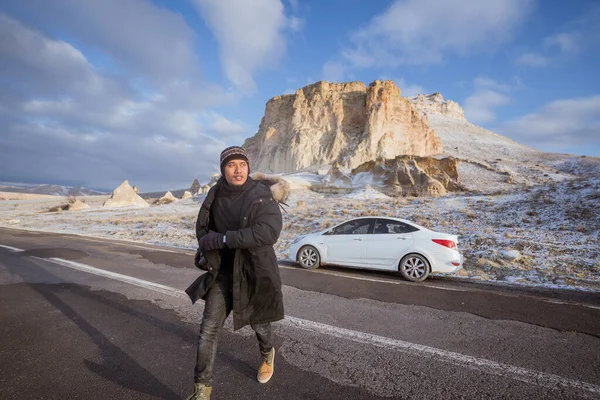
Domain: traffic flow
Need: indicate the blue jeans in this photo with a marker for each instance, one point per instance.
(218, 304)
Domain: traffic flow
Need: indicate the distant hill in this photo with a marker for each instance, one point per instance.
(53, 190)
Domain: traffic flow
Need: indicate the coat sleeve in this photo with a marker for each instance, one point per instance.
(201, 230)
(264, 231)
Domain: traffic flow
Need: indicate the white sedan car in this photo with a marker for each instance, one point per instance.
(380, 243)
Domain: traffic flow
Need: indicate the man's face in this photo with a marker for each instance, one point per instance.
(236, 172)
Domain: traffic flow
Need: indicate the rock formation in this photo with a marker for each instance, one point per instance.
(400, 176)
(346, 122)
(187, 194)
(124, 196)
(136, 190)
(435, 104)
(411, 175)
(78, 205)
(166, 199)
(336, 177)
(213, 181)
(195, 188)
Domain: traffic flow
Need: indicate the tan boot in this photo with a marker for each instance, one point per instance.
(201, 392)
(267, 366)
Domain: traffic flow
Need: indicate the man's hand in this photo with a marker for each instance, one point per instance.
(199, 260)
(211, 241)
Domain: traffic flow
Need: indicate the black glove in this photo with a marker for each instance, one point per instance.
(211, 241)
(200, 261)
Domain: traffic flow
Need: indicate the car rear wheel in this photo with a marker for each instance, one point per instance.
(414, 268)
(308, 257)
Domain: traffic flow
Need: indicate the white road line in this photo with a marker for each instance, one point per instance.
(132, 244)
(566, 303)
(550, 381)
(341, 275)
(450, 289)
(11, 248)
(120, 277)
(361, 278)
(530, 376)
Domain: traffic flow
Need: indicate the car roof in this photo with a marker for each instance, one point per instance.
(384, 217)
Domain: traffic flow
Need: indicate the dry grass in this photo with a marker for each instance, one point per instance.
(555, 230)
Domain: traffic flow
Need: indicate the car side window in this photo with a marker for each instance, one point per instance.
(383, 226)
(356, 227)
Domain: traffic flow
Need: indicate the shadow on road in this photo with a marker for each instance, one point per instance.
(116, 366)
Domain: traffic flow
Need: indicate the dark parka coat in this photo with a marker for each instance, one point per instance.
(257, 296)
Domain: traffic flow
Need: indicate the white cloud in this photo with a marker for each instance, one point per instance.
(333, 71)
(295, 4)
(63, 118)
(296, 24)
(43, 65)
(575, 36)
(567, 42)
(408, 90)
(250, 35)
(224, 127)
(532, 60)
(134, 37)
(481, 82)
(559, 124)
(422, 31)
(479, 107)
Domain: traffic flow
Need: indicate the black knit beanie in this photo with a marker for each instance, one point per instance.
(233, 153)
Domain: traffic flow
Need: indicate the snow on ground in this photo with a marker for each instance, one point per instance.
(303, 180)
(496, 163)
(366, 193)
(544, 235)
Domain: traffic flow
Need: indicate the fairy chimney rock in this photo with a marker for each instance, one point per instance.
(125, 196)
(195, 186)
(78, 205)
(167, 198)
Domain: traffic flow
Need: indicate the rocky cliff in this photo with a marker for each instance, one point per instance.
(347, 123)
(412, 176)
(399, 176)
(435, 104)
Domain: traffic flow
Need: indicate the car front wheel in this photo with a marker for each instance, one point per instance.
(414, 268)
(308, 257)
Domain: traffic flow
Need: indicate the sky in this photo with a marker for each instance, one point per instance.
(95, 92)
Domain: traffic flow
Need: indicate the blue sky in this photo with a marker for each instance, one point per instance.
(96, 92)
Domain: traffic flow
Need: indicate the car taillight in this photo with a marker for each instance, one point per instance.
(446, 243)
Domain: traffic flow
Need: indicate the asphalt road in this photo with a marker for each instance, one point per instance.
(87, 318)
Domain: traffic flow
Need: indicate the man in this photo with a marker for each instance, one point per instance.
(237, 226)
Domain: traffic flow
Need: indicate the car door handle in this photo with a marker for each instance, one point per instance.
(359, 239)
(401, 238)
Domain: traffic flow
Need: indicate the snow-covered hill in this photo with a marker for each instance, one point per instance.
(491, 162)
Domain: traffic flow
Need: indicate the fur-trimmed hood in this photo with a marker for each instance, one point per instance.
(280, 188)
